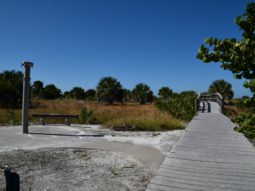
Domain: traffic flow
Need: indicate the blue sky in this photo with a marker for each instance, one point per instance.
(77, 42)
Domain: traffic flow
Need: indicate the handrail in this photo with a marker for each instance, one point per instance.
(214, 97)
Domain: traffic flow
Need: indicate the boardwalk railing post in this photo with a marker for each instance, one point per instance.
(197, 101)
(25, 100)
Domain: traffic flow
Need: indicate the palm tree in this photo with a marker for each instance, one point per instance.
(165, 92)
(77, 93)
(142, 93)
(223, 87)
(109, 90)
(37, 88)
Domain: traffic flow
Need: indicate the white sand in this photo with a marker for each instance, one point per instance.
(134, 156)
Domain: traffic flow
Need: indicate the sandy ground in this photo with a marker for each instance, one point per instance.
(83, 157)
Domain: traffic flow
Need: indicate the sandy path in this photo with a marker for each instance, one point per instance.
(47, 158)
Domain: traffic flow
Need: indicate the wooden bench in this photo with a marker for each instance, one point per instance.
(42, 117)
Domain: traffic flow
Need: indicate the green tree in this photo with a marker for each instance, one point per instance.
(237, 56)
(67, 95)
(90, 94)
(109, 90)
(165, 92)
(77, 93)
(37, 88)
(127, 95)
(51, 92)
(11, 89)
(142, 93)
(223, 87)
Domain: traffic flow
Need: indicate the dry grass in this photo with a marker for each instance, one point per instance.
(233, 111)
(119, 115)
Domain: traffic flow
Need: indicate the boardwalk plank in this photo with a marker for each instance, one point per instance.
(209, 156)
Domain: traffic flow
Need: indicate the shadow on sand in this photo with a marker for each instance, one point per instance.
(66, 135)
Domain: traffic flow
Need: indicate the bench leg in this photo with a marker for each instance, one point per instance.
(67, 122)
(42, 120)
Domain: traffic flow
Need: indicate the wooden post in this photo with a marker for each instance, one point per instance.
(25, 100)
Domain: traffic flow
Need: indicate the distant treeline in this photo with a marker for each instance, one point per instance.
(108, 90)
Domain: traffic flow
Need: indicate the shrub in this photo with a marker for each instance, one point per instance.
(142, 124)
(12, 118)
(85, 115)
(246, 124)
(180, 106)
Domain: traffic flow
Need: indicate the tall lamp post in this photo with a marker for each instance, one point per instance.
(25, 100)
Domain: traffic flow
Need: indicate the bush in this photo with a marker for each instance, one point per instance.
(180, 106)
(85, 115)
(246, 125)
(139, 124)
(12, 118)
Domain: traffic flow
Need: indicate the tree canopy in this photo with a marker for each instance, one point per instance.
(223, 87)
(142, 93)
(11, 86)
(109, 90)
(90, 94)
(165, 92)
(237, 56)
(77, 93)
(37, 89)
(51, 92)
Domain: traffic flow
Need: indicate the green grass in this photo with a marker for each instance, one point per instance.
(140, 124)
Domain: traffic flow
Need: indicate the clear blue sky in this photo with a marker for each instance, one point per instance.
(77, 42)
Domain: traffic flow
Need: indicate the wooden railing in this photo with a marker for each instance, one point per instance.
(215, 97)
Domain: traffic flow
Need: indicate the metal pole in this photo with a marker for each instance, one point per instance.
(25, 101)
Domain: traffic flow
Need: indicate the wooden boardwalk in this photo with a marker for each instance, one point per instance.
(209, 156)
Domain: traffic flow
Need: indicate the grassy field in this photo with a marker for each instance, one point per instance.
(128, 116)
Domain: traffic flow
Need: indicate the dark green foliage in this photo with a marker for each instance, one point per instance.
(245, 103)
(37, 89)
(150, 97)
(12, 118)
(237, 56)
(90, 94)
(85, 115)
(246, 124)
(109, 90)
(127, 95)
(11, 86)
(180, 106)
(77, 93)
(223, 87)
(165, 92)
(51, 92)
(142, 93)
(67, 95)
